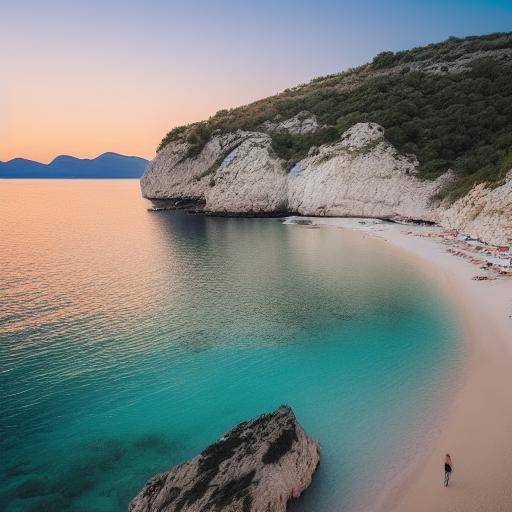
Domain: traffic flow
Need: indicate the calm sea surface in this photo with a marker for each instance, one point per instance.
(130, 340)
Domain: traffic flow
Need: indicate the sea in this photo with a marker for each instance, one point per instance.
(131, 339)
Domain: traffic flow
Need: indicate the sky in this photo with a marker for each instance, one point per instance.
(84, 77)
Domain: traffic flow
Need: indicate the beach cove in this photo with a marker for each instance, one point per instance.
(476, 427)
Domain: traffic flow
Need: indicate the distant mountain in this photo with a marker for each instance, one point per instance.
(107, 165)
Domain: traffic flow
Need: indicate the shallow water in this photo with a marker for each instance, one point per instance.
(130, 340)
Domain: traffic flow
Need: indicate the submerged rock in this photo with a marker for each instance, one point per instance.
(257, 466)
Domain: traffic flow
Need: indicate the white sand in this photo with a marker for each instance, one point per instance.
(477, 431)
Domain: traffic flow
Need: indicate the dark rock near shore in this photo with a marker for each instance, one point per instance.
(190, 204)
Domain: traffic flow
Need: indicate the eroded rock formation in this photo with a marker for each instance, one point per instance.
(360, 175)
(258, 466)
(301, 123)
(485, 213)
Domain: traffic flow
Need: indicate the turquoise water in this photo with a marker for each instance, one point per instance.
(130, 340)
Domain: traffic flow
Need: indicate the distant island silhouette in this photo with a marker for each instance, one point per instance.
(107, 165)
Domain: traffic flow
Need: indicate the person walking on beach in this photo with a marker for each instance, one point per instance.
(448, 466)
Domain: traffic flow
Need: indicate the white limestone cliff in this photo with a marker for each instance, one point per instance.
(485, 213)
(173, 174)
(250, 179)
(361, 175)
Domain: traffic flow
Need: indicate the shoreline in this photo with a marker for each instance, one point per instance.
(477, 426)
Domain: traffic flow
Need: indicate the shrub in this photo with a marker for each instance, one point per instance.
(384, 60)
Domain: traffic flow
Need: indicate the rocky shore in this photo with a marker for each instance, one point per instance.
(257, 466)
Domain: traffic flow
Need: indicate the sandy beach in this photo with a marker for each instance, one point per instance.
(477, 431)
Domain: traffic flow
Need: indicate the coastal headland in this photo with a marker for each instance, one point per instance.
(421, 135)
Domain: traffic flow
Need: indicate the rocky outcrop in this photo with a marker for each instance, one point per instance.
(302, 123)
(485, 213)
(360, 175)
(174, 173)
(250, 180)
(258, 466)
(453, 66)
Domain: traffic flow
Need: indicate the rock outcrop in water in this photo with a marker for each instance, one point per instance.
(258, 466)
(238, 173)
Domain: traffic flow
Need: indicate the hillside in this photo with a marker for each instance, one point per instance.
(107, 165)
(448, 103)
(421, 135)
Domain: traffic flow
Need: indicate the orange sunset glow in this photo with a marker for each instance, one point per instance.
(131, 119)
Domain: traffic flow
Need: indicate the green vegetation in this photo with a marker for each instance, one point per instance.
(173, 135)
(446, 51)
(460, 121)
(293, 148)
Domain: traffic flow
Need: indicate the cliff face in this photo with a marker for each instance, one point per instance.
(361, 175)
(249, 179)
(255, 467)
(484, 213)
(171, 174)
